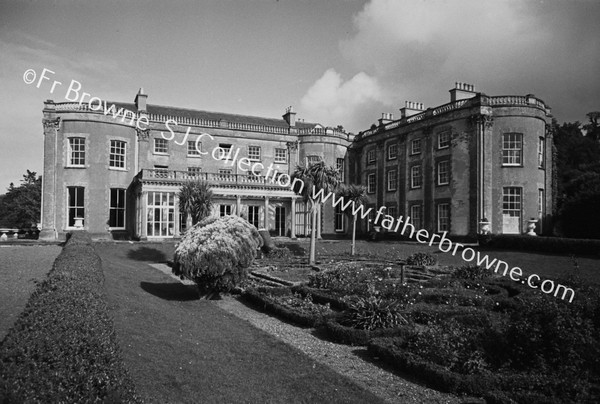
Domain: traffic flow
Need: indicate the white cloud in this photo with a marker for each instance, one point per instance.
(332, 101)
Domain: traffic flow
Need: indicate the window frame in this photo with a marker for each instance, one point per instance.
(446, 205)
(339, 218)
(447, 142)
(419, 208)
(439, 172)
(156, 146)
(541, 152)
(340, 165)
(372, 183)
(76, 208)
(194, 148)
(392, 146)
(120, 210)
(511, 153)
(412, 176)
(252, 155)
(371, 156)
(72, 152)
(278, 159)
(389, 181)
(112, 152)
(413, 142)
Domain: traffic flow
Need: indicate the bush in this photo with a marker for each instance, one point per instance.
(471, 272)
(372, 313)
(63, 347)
(554, 245)
(216, 253)
(421, 259)
(279, 252)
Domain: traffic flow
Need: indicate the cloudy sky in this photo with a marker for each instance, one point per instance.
(338, 62)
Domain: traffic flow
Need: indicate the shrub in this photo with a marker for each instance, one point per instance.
(553, 245)
(279, 252)
(216, 253)
(63, 347)
(471, 272)
(372, 313)
(421, 259)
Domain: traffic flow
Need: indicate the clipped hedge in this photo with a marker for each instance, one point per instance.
(260, 298)
(322, 297)
(556, 245)
(63, 347)
(352, 336)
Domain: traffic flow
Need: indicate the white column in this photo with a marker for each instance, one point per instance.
(293, 229)
(318, 224)
(266, 213)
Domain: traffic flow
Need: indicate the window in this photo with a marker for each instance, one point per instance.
(194, 171)
(226, 150)
(541, 152)
(371, 183)
(194, 148)
(540, 209)
(161, 214)
(416, 179)
(512, 149)
(416, 216)
(254, 153)
(224, 210)
(415, 146)
(443, 172)
(76, 205)
(339, 218)
(444, 139)
(443, 217)
(281, 155)
(116, 214)
(339, 163)
(392, 180)
(511, 210)
(161, 146)
(371, 156)
(117, 154)
(253, 215)
(313, 160)
(391, 211)
(392, 151)
(76, 152)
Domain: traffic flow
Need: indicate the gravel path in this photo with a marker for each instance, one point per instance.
(20, 268)
(345, 360)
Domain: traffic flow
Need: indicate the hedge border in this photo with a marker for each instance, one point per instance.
(63, 346)
(353, 336)
(555, 245)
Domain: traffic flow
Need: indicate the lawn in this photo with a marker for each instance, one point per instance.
(181, 349)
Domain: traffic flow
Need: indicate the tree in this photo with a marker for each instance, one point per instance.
(20, 206)
(216, 253)
(593, 128)
(358, 195)
(195, 200)
(317, 181)
(579, 212)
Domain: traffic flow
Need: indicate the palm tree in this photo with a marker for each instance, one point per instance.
(195, 200)
(315, 177)
(358, 195)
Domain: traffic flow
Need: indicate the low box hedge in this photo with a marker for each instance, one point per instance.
(352, 336)
(557, 245)
(63, 347)
(322, 297)
(260, 298)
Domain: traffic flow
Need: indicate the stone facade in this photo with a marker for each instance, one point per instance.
(451, 166)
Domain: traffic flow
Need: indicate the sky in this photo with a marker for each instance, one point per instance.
(337, 62)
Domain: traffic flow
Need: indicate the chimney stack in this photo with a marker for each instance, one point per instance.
(140, 100)
(462, 91)
(290, 116)
(411, 108)
(386, 118)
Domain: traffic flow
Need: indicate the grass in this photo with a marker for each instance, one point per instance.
(179, 349)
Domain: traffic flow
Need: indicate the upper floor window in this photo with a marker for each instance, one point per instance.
(392, 151)
(161, 146)
(416, 179)
(371, 183)
(415, 146)
(512, 149)
(313, 160)
(541, 148)
(76, 152)
(392, 180)
(281, 155)
(443, 172)
(339, 163)
(444, 139)
(254, 153)
(193, 148)
(371, 156)
(225, 151)
(117, 154)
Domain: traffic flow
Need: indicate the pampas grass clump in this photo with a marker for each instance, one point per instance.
(216, 252)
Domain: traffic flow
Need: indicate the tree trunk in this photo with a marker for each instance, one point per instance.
(313, 237)
(354, 235)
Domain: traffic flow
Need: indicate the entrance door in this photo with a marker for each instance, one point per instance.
(280, 221)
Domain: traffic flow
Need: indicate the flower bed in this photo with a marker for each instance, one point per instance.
(63, 347)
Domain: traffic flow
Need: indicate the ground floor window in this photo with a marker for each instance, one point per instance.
(339, 218)
(116, 215)
(511, 210)
(161, 214)
(443, 217)
(254, 215)
(416, 216)
(224, 210)
(76, 205)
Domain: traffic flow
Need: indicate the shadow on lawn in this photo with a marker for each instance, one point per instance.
(171, 291)
(147, 254)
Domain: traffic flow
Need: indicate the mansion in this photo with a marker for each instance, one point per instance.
(115, 169)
